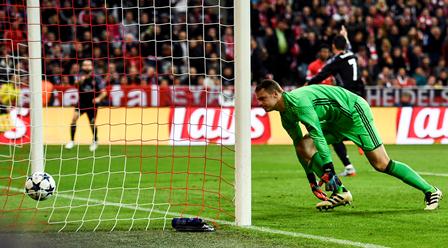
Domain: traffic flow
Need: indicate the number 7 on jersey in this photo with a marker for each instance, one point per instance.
(352, 62)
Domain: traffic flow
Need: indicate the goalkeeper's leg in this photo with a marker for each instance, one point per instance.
(365, 135)
(379, 159)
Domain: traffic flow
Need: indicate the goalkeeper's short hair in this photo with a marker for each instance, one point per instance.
(269, 85)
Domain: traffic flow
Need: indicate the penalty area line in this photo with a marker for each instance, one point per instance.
(423, 173)
(433, 174)
(255, 228)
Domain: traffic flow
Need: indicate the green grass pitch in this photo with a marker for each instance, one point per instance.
(385, 212)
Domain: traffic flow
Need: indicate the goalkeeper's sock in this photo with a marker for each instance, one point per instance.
(341, 151)
(409, 176)
(72, 131)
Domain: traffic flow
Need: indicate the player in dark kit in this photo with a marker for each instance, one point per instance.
(91, 92)
(343, 66)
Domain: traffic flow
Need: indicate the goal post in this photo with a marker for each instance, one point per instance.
(243, 193)
(35, 82)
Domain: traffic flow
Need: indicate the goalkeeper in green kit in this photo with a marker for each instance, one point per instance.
(331, 114)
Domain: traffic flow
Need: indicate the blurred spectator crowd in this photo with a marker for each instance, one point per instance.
(398, 43)
(145, 42)
(141, 42)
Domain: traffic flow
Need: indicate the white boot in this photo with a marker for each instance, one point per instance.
(70, 145)
(336, 199)
(432, 199)
(93, 146)
(349, 171)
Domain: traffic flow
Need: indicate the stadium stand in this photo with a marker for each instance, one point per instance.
(398, 43)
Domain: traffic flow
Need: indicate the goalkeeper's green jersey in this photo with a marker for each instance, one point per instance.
(322, 109)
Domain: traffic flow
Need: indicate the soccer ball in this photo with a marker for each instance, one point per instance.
(40, 186)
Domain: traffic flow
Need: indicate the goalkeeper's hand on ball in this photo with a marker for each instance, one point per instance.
(317, 191)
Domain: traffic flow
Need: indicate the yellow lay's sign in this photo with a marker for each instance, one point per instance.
(5, 123)
(115, 126)
(182, 126)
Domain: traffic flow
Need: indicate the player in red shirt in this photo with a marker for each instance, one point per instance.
(318, 64)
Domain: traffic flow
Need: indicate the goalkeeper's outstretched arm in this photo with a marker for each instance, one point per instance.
(294, 131)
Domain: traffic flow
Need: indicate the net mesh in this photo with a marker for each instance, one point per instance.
(165, 128)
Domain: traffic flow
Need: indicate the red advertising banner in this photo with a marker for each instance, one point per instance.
(15, 127)
(140, 96)
(198, 96)
(422, 125)
(199, 126)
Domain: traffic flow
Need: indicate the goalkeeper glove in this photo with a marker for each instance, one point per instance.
(318, 192)
(330, 179)
(315, 187)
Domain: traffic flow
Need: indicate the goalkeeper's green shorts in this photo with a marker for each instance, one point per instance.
(361, 130)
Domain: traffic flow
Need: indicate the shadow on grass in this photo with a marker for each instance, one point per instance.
(379, 212)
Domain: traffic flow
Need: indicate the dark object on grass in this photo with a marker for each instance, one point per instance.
(191, 225)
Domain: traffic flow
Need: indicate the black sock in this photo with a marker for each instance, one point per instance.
(94, 131)
(72, 132)
(341, 151)
(329, 168)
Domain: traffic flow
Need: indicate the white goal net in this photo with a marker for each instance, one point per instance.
(159, 144)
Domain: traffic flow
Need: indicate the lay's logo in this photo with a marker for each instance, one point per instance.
(422, 125)
(15, 127)
(200, 126)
